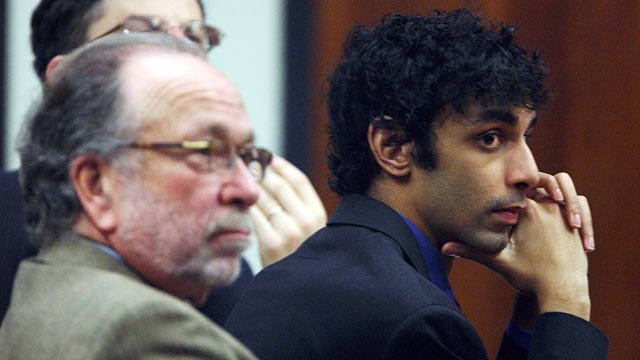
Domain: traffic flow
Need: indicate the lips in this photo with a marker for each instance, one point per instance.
(230, 242)
(508, 215)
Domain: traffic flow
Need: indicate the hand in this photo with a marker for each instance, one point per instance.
(561, 189)
(287, 212)
(543, 257)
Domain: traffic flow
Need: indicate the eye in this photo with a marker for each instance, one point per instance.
(157, 24)
(220, 147)
(194, 32)
(216, 154)
(204, 152)
(142, 24)
(491, 139)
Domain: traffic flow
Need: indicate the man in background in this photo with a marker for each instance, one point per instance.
(288, 209)
(13, 244)
(138, 171)
(430, 119)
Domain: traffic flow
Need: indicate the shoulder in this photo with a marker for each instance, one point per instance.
(345, 263)
(108, 314)
(165, 325)
(356, 283)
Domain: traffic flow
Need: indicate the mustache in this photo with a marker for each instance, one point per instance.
(228, 221)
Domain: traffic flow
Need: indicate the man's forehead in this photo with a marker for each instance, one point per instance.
(179, 86)
(164, 63)
(510, 115)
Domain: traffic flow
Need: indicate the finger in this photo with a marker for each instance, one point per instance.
(548, 187)
(308, 215)
(460, 250)
(561, 189)
(266, 202)
(270, 243)
(261, 224)
(281, 190)
(279, 218)
(277, 236)
(586, 232)
(299, 182)
(571, 202)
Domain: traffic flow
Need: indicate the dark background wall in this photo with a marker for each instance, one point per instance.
(591, 130)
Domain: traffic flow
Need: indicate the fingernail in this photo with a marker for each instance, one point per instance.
(591, 243)
(450, 253)
(559, 196)
(577, 220)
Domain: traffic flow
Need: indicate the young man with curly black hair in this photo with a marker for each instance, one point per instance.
(430, 119)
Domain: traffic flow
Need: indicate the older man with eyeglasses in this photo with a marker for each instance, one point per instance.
(139, 171)
(288, 209)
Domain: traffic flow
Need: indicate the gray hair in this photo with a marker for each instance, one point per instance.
(81, 112)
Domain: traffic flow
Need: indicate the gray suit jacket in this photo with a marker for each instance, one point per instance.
(74, 301)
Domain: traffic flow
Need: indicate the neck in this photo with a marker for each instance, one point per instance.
(401, 201)
(85, 228)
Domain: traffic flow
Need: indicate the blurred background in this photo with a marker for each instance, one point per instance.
(280, 52)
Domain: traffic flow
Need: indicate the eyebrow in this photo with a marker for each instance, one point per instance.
(251, 139)
(504, 116)
(218, 129)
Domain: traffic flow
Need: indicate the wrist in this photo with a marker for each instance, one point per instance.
(579, 306)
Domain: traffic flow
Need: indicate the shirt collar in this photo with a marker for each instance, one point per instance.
(107, 249)
(433, 259)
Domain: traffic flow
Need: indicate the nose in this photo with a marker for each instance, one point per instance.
(240, 188)
(522, 171)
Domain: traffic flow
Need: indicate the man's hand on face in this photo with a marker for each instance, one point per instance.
(561, 189)
(545, 255)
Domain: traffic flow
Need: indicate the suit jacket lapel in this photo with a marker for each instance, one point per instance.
(370, 213)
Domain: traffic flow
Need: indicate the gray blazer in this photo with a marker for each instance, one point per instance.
(74, 301)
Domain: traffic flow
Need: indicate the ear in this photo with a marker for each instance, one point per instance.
(93, 181)
(49, 75)
(394, 158)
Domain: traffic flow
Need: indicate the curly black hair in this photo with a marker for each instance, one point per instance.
(410, 68)
(59, 26)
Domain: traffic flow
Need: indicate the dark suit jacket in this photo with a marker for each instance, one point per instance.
(359, 289)
(13, 238)
(14, 247)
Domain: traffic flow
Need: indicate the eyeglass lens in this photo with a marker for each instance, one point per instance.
(195, 31)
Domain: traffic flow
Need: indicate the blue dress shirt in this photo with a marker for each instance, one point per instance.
(439, 277)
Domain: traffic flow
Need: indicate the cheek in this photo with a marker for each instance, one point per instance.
(475, 179)
(462, 192)
(196, 199)
(190, 190)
